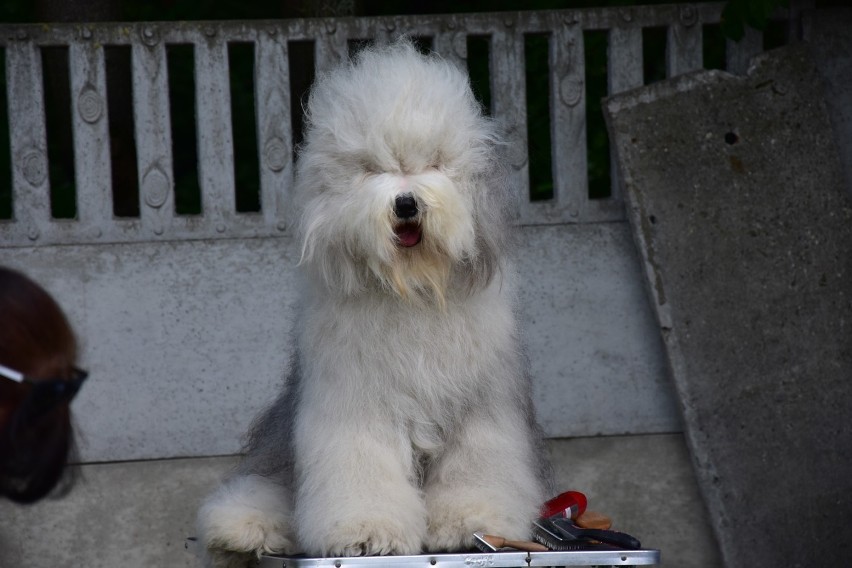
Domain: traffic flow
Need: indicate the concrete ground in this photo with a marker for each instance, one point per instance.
(139, 513)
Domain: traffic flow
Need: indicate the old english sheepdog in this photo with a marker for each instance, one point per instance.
(407, 421)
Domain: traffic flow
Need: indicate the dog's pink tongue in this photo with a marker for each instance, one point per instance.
(408, 235)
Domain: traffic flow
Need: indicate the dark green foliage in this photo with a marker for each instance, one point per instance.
(60, 144)
(597, 139)
(738, 14)
(477, 68)
(538, 116)
(246, 167)
(184, 147)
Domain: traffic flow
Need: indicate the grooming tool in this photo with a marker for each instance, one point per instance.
(569, 530)
(491, 543)
(546, 533)
(570, 504)
(593, 520)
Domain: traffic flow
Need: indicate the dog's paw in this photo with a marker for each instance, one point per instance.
(246, 517)
(451, 524)
(453, 531)
(213, 558)
(249, 532)
(372, 538)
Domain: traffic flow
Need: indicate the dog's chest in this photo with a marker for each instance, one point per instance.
(415, 346)
(426, 369)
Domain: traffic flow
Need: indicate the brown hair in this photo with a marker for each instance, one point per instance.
(36, 340)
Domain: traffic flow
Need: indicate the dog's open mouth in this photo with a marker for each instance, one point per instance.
(408, 234)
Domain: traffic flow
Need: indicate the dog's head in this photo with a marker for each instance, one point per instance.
(398, 177)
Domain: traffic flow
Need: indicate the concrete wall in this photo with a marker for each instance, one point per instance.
(186, 341)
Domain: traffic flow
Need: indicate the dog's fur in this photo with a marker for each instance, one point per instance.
(407, 422)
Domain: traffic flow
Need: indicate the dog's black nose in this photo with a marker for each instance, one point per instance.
(405, 207)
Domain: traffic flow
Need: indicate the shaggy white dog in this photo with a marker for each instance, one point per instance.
(406, 423)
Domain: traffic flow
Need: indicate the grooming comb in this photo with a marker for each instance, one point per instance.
(545, 532)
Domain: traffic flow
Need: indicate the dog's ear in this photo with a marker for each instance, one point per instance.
(324, 254)
(492, 208)
(486, 264)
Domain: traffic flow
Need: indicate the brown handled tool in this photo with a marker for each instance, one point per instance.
(593, 520)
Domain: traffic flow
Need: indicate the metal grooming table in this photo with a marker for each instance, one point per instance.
(597, 556)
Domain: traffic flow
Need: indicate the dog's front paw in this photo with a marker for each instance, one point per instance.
(452, 529)
(372, 538)
(452, 523)
(246, 517)
(216, 558)
(358, 516)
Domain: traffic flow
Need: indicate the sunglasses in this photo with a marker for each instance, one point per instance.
(47, 393)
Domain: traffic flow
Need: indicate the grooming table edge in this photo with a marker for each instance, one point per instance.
(643, 557)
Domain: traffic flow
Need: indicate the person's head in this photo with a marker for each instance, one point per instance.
(38, 378)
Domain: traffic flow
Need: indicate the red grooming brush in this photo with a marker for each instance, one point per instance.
(570, 504)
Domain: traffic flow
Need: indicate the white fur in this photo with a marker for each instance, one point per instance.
(249, 513)
(407, 423)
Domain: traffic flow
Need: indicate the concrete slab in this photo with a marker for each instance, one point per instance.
(736, 200)
(828, 32)
(121, 514)
(137, 514)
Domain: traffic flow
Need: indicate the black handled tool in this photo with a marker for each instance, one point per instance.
(570, 531)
